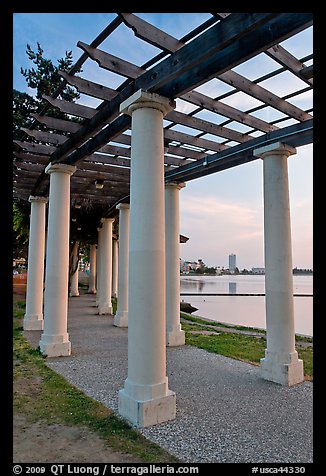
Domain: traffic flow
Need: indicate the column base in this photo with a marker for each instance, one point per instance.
(148, 412)
(175, 338)
(91, 291)
(74, 294)
(33, 322)
(55, 345)
(289, 373)
(121, 319)
(104, 308)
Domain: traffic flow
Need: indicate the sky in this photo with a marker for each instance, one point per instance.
(221, 213)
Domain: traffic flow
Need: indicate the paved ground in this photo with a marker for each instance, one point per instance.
(225, 411)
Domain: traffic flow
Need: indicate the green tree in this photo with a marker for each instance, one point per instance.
(20, 232)
(45, 79)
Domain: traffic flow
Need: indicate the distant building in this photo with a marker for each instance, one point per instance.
(258, 270)
(232, 262)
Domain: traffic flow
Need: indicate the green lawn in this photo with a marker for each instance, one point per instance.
(238, 346)
(42, 394)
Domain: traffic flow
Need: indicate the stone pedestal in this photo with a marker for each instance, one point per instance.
(281, 363)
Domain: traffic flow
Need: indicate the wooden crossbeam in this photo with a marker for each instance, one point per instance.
(42, 136)
(208, 43)
(36, 148)
(89, 87)
(71, 107)
(243, 84)
(290, 62)
(57, 124)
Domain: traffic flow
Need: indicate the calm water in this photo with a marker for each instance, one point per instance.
(245, 310)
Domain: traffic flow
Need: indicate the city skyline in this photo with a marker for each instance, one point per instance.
(218, 212)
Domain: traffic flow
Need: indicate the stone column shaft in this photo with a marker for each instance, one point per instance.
(92, 270)
(105, 305)
(55, 339)
(145, 399)
(281, 363)
(121, 317)
(174, 335)
(74, 278)
(98, 264)
(115, 266)
(33, 319)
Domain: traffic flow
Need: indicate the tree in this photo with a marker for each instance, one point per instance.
(45, 79)
(20, 232)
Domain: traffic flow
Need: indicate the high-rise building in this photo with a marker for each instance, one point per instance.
(232, 262)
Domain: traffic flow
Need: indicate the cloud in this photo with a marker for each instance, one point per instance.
(216, 227)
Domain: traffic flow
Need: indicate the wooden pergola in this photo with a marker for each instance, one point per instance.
(100, 143)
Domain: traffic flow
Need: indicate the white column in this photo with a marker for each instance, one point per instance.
(146, 399)
(174, 335)
(33, 319)
(121, 317)
(115, 268)
(98, 262)
(92, 270)
(281, 363)
(105, 305)
(55, 339)
(74, 278)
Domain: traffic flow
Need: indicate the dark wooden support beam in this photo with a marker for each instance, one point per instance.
(218, 37)
(296, 135)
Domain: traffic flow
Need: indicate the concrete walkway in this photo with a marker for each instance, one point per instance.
(225, 411)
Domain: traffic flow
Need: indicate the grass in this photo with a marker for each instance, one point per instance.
(238, 346)
(43, 395)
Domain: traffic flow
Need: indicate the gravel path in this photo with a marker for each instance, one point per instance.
(225, 411)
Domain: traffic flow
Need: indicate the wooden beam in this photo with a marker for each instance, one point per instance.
(57, 124)
(71, 107)
(208, 43)
(225, 110)
(88, 87)
(110, 62)
(206, 126)
(40, 159)
(308, 72)
(193, 140)
(36, 148)
(243, 84)
(290, 62)
(147, 31)
(295, 135)
(42, 136)
(150, 33)
(253, 42)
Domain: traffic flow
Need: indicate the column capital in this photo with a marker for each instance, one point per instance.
(107, 220)
(146, 99)
(175, 185)
(62, 168)
(123, 206)
(39, 199)
(277, 148)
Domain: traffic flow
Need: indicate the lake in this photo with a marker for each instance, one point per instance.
(245, 310)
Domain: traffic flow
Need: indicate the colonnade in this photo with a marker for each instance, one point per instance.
(146, 276)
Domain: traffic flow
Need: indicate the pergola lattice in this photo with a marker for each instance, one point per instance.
(100, 144)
